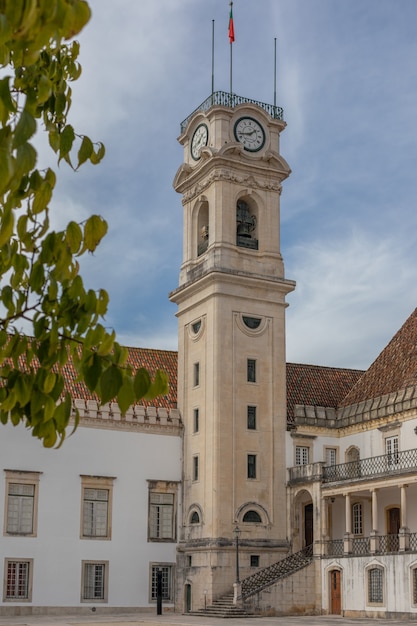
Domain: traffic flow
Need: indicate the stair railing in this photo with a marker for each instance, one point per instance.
(269, 575)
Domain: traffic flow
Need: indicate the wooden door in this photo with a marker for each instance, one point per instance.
(335, 593)
(308, 524)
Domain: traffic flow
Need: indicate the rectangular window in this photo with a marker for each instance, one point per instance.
(331, 456)
(94, 581)
(251, 371)
(196, 374)
(17, 580)
(302, 455)
(161, 516)
(20, 509)
(96, 507)
(357, 524)
(252, 417)
(414, 581)
(21, 503)
(195, 468)
(196, 420)
(375, 585)
(96, 503)
(251, 465)
(254, 560)
(391, 450)
(165, 574)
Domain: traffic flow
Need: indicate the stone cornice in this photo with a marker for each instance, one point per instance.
(257, 175)
(382, 407)
(156, 420)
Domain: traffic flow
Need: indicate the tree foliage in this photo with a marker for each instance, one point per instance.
(40, 283)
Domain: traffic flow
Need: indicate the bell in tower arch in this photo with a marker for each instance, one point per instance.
(245, 226)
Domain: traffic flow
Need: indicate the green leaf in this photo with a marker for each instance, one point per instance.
(110, 383)
(85, 150)
(78, 14)
(26, 156)
(6, 167)
(6, 225)
(37, 277)
(141, 383)
(8, 105)
(23, 389)
(94, 230)
(49, 382)
(25, 129)
(62, 413)
(54, 140)
(126, 395)
(92, 371)
(66, 140)
(98, 154)
(106, 345)
(73, 237)
(5, 30)
(159, 386)
(42, 198)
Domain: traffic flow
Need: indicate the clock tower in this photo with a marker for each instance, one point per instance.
(231, 350)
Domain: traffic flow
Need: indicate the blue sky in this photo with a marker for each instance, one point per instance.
(347, 79)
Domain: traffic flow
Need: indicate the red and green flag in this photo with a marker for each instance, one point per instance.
(231, 25)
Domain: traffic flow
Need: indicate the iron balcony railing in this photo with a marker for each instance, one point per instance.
(231, 100)
(385, 464)
(361, 546)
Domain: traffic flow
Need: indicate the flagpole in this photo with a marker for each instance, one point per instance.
(231, 39)
(231, 66)
(212, 58)
(275, 72)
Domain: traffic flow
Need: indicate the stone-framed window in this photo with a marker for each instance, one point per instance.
(94, 581)
(96, 507)
(375, 576)
(17, 580)
(21, 505)
(162, 507)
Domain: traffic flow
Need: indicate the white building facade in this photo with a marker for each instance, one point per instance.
(87, 527)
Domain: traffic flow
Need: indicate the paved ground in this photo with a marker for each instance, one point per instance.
(170, 619)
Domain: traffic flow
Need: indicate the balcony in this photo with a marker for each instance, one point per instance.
(231, 100)
(363, 469)
(366, 546)
(383, 465)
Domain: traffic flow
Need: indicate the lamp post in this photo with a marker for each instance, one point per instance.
(236, 533)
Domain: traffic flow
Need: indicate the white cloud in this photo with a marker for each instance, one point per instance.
(352, 294)
(349, 91)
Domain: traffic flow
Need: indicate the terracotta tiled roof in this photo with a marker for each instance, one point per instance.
(316, 385)
(394, 369)
(165, 360)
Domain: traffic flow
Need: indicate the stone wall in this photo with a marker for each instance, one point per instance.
(294, 595)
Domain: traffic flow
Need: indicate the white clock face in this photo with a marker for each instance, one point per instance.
(250, 133)
(199, 140)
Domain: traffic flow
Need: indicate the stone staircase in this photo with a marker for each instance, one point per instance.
(224, 608)
(270, 575)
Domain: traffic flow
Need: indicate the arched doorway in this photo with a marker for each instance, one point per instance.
(187, 598)
(308, 524)
(335, 592)
(302, 521)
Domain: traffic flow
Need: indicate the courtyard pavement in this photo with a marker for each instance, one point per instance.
(175, 619)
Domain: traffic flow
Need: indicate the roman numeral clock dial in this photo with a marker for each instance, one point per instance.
(250, 133)
(199, 140)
